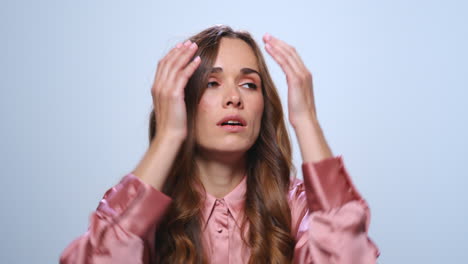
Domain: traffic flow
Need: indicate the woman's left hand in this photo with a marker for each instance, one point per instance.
(301, 104)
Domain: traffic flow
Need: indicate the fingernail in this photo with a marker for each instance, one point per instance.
(193, 46)
(267, 37)
(187, 43)
(179, 45)
(197, 59)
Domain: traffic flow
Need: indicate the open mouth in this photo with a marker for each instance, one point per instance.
(232, 123)
(232, 127)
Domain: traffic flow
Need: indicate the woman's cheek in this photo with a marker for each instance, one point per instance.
(206, 110)
(259, 109)
(205, 105)
(259, 105)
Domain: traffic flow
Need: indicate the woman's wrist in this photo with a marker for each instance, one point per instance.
(312, 142)
(155, 166)
(174, 139)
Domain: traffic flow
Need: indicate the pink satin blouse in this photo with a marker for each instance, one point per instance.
(330, 220)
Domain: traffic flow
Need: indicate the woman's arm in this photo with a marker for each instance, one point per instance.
(312, 142)
(122, 228)
(301, 101)
(330, 219)
(154, 167)
(334, 218)
(172, 75)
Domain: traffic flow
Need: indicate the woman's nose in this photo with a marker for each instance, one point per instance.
(233, 99)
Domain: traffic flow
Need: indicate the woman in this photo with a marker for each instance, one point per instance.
(215, 185)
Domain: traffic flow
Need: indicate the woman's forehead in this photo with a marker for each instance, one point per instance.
(234, 55)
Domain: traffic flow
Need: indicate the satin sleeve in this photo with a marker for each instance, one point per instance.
(121, 229)
(330, 219)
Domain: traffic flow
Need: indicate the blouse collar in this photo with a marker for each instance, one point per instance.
(234, 201)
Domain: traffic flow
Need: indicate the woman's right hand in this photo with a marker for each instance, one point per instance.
(172, 75)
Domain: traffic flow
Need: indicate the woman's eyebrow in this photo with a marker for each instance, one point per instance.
(243, 70)
(248, 71)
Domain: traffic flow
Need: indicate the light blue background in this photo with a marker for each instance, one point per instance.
(391, 92)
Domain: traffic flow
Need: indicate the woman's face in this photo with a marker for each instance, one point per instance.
(234, 89)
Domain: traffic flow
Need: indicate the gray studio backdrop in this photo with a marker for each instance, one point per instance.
(390, 86)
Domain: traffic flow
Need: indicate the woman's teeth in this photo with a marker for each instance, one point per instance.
(233, 123)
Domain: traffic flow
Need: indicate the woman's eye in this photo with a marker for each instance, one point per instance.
(250, 85)
(211, 84)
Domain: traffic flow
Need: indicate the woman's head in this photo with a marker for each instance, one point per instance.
(232, 65)
(232, 79)
(233, 92)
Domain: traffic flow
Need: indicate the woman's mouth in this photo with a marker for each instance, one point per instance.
(232, 127)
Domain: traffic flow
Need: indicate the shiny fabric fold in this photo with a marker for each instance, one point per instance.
(330, 221)
(119, 229)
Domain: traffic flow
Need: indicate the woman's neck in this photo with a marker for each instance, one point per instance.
(220, 173)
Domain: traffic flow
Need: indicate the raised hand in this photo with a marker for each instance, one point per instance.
(301, 102)
(172, 75)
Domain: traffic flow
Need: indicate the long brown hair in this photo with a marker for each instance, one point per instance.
(269, 164)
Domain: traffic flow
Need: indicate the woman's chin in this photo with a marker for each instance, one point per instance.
(231, 149)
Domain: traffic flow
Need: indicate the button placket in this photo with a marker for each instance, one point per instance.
(220, 233)
(221, 217)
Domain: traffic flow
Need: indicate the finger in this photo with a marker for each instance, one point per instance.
(160, 71)
(266, 38)
(277, 41)
(295, 60)
(182, 60)
(187, 72)
(281, 60)
(178, 64)
(280, 55)
(289, 52)
(171, 57)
